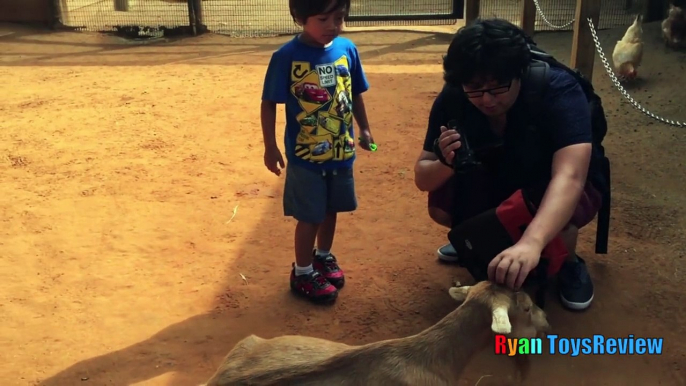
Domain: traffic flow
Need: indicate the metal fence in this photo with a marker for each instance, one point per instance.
(245, 18)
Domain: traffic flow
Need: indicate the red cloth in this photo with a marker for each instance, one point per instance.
(515, 216)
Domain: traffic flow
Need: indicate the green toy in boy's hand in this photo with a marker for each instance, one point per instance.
(372, 146)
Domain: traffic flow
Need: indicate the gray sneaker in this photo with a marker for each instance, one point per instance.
(447, 253)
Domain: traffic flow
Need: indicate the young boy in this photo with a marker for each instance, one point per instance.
(319, 77)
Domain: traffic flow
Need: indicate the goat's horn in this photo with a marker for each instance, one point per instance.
(459, 293)
(501, 321)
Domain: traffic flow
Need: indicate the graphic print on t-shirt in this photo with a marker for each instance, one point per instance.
(324, 95)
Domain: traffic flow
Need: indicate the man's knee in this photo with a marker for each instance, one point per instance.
(587, 208)
(440, 216)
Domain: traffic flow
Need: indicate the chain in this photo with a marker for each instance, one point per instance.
(617, 84)
(538, 8)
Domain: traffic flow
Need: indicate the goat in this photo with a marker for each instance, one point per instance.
(435, 356)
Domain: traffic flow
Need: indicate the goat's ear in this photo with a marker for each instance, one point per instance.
(459, 293)
(520, 298)
(501, 320)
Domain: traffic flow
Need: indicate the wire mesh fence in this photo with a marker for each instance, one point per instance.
(269, 17)
(100, 15)
(246, 18)
(559, 14)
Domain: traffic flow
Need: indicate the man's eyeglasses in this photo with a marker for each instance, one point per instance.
(493, 91)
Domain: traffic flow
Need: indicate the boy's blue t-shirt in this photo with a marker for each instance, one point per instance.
(317, 86)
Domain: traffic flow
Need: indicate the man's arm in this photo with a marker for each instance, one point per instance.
(569, 119)
(569, 170)
(430, 173)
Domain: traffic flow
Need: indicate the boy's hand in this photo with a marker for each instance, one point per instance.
(366, 139)
(273, 159)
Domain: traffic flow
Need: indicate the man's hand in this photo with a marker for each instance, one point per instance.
(512, 266)
(449, 142)
(366, 139)
(273, 159)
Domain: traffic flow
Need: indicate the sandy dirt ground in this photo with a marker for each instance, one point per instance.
(134, 201)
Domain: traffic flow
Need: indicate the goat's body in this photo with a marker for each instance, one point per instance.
(353, 367)
(431, 358)
(434, 357)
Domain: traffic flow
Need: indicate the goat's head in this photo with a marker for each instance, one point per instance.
(514, 313)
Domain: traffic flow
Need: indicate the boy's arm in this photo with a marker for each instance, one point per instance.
(274, 91)
(268, 120)
(359, 86)
(360, 112)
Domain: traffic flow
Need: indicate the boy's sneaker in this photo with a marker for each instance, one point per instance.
(576, 287)
(313, 286)
(328, 267)
(447, 253)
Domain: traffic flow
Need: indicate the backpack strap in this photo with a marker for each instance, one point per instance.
(538, 78)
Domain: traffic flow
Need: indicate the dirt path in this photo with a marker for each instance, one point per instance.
(124, 165)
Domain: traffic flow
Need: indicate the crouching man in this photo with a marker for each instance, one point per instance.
(538, 153)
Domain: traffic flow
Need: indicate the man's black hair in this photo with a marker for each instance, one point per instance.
(303, 9)
(487, 48)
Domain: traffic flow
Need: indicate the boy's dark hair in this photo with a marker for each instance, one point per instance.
(303, 9)
(491, 47)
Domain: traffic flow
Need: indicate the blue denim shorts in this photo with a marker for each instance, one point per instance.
(310, 194)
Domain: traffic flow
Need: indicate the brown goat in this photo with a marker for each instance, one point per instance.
(435, 356)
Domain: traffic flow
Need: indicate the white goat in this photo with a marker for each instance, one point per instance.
(435, 356)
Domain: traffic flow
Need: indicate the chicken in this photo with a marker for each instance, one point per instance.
(674, 27)
(628, 52)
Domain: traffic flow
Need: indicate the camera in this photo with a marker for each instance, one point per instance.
(465, 159)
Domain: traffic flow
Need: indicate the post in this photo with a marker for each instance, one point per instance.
(61, 13)
(583, 46)
(471, 11)
(121, 5)
(528, 17)
(199, 16)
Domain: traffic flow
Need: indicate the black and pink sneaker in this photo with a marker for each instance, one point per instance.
(328, 267)
(313, 286)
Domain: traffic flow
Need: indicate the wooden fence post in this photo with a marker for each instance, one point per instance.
(472, 10)
(121, 5)
(583, 46)
(199, 16)
(528, 20)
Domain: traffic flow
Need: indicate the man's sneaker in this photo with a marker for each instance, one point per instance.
(576, 287)
(328, 267)
(447, 253)
(313, 286)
